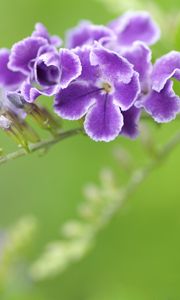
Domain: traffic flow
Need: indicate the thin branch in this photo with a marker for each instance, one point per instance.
(138, 177)
(74, 247)
(45, 144)
(142, 174)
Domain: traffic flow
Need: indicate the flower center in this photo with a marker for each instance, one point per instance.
(47, 75)
(107, 87)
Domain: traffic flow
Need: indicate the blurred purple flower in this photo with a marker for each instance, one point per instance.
(5, 123)
(11, 102)
(86, 33)
(9, 79)
(41, 31)
(135, 26)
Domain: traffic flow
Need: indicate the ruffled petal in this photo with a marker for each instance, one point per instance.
(131, 119)
(135, 26)
(70, 66)
(104, 120)
(24, 52)
(166, 67)
(113, 67)
(8, 79)
(162, 106)
(139, 55)
(126, 94)
(41, 31)
(86, 33)
(31, 93)
(47, 70)
(73, 102)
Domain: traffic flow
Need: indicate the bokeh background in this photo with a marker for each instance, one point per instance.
(138, 255)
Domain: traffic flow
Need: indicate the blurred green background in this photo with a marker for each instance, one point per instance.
(138, 255)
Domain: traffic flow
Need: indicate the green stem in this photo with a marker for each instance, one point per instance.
(45, 144)
(138, 177)
(48, 262)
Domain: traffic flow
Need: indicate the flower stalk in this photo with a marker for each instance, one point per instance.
(42, 145)
(100, 206)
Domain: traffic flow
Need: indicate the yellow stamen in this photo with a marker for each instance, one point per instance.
(107, 87)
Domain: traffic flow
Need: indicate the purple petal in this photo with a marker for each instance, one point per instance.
(162, 106)
(135, 26)
(86, 33)
(126, 94)
(70, 66)
(113, 67)
(104, 120)
(56, 40)
(30, 93)
(41, 31)
(166, 67)
(131, 119)
(24, 52)
(8, 78)
(139, 55)
(89, 73)
(47, 49)
(73, 102)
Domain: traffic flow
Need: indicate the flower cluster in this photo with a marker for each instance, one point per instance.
(103, 75)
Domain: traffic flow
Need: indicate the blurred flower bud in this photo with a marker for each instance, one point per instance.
(5, 123)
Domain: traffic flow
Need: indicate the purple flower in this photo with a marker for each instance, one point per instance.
(87, 33)
(24, 53)
(107, 86)
(51, 71)
(135, 26)
(8, 79)
(160, 101)
(41, 31)
(105, 77)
